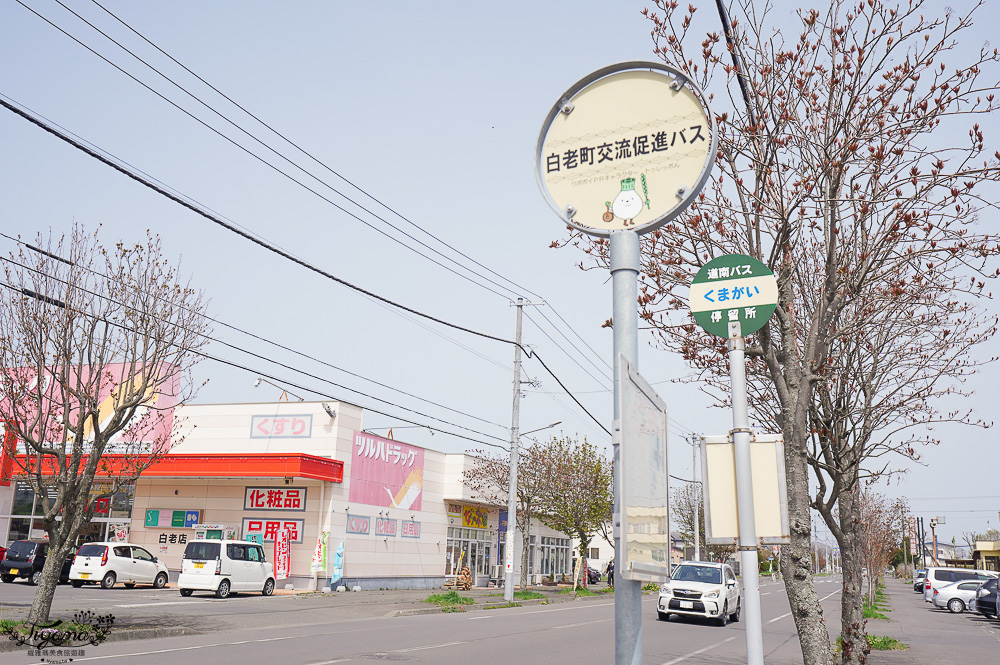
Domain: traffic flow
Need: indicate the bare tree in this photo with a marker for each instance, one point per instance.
(489, 478)
(833, 169)
(92, 343)
(578, 494)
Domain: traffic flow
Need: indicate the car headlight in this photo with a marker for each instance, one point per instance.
(665, 589)
(711, 594)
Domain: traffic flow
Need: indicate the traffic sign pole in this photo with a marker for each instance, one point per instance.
(744, 497)
(624, 251)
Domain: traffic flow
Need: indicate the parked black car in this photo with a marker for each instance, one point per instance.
(593, 575)
(918, 580)
(986, 599)
(26, 558)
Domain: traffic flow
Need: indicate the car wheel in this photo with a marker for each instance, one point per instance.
(76, 583)
(268, 587)
(160, 581)
(735, 616)
(130, 585)
(724, 617)
(223, 589)
(35, 578)
(186, 592)
(956, 606)
(7, 579)
(108, 581)
(663, 616)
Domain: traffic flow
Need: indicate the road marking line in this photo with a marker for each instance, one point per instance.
(680, 659)
(330, 662)
(191, 648)
(584, 623)
(790, 614)
(432, 646)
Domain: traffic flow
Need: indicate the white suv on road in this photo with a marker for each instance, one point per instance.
(702, 589)
(223, 566)
(108, 563)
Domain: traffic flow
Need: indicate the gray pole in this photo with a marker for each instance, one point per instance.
(744, 498)
(508, 584)
(697, 505)
(625, 297)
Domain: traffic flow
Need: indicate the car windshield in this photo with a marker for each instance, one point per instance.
(201, 550)
(92, 550)
(706, 574)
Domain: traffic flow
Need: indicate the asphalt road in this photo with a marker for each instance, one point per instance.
(314, 630)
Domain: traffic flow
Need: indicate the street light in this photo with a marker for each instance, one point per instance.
(508, 585)
(284, 392)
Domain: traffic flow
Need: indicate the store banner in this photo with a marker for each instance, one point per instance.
(319, 554)
(338, 566)
(282, 554)
(386, 473)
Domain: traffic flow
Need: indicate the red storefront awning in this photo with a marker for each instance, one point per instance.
(249, 465)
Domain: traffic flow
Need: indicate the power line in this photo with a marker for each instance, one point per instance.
(253, 154)
(280, 252)
(303, 151)
(263, 339)
(45, 298)
(311, 156)
(280, 380)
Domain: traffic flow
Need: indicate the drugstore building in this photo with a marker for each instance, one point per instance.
(401, 512)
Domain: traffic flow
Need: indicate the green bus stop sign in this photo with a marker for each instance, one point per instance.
(733, 289)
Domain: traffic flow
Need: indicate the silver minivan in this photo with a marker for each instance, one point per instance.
(939, 577)
(225, 566)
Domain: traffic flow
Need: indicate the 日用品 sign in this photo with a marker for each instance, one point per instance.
(733, 289)
(626, 148)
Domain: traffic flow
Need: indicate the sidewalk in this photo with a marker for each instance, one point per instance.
(933, 636)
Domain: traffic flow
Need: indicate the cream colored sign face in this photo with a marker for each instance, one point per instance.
(632, 150)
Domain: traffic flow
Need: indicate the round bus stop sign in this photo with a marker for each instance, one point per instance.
(734, 288)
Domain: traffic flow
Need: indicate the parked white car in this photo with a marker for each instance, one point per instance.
(698, 588)
(956, 596)
(224, 566)
(938, 577)
(109, 563)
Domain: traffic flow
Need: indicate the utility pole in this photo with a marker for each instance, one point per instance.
(694, 476)
(515, 438)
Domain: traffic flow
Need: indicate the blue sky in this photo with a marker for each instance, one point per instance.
(433, 109)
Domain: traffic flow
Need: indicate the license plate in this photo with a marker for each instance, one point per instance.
(85, 575)
(687, 605)
(14, 571)
(199, 565)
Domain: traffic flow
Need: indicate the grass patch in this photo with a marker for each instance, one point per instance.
(879, 643)
(528, 595)
(449, 600)
(883, 643)
(497, 607)
(650, 586)
(873, 613)
(584, 591)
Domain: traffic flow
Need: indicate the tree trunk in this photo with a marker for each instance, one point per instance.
(525, 543)
(796, 560)
(854, 645)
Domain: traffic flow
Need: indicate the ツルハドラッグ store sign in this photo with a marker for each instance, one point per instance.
(386, 473)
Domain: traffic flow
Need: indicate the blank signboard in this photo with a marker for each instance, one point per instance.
(770, 498)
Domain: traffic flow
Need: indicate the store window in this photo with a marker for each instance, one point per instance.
(25, 505)
(468, 547)
(555, 556)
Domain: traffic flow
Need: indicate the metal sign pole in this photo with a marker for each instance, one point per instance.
(744, 497)
(625, 296)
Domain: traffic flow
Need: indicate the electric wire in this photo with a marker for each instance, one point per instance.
(313, 157)
(560, 347)
(318, 161)
(284, 254)
(279, 380)
(260, 338)
(251, 353)
(256, 156)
